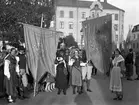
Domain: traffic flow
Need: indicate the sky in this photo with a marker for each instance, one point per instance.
(131, 8)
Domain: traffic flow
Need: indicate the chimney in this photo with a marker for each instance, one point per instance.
(105, 1)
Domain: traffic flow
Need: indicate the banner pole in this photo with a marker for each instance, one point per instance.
(35, 89)
(41, 20)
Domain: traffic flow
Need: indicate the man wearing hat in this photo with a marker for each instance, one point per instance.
(22, 67)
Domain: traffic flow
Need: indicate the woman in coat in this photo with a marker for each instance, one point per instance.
(61, 72)
(116, 75)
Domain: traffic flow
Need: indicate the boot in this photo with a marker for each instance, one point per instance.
(74, 89)
(137, 78)
(10, 100)
(88, 86)
(82, 87)
(64, 91)
(116, 98)
(59, 91)
(120, 96)
(79, 90)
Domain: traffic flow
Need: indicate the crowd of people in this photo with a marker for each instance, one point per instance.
(72, 69)
(13, 77)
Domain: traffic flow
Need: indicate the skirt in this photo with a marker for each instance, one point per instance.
(61, 78)
(76, 77)
(115, 80)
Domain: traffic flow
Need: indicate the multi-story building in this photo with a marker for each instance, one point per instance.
(135, 38)
(71, 13)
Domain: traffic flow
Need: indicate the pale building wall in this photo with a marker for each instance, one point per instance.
(77, 21)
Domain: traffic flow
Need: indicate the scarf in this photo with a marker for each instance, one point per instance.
(117, 60)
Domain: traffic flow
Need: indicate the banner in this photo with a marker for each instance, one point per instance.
(98, 41)
(41, 45)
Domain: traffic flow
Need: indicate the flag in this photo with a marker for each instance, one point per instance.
(98, 41)
(41, 46)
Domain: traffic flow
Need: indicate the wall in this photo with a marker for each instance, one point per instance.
(77, 20)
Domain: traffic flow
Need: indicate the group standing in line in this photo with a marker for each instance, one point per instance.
(13, 79)
(72, 70)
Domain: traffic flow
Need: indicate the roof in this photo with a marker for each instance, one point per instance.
(85, 4)
(136, 28)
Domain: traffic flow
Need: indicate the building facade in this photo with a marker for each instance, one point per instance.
(71, 13)
(135, 38)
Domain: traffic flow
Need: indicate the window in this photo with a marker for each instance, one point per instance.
(93, 15)
(138, 28)
(70, 14)
(97, 14)
(71, 34)
(70, 25)
(116, 16)
(83, 15)
(134, 36)
(116, 38)
(137, 45)
(122, 27)
(116, 27)
(96, 7)
(61, 14)
(133, 45)
(61, 25)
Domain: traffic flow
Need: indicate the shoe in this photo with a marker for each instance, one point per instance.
(137, 78)
(59, 91)
(129, 79)
(22, 97)
(115, 98)
(120, 99)
(80, 92)
(74, 92)
(10, 101)
(89, 90)
(64, 92)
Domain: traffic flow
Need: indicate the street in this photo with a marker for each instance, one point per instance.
(100, 95)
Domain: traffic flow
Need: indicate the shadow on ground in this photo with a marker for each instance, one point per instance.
(83, 99)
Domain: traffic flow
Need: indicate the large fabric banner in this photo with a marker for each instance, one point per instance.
(41, 45)
(98, 41)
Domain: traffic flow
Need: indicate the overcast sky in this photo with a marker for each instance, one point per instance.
(131, 8)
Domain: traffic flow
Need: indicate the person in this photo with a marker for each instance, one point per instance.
(67, 52)
(22, 67)
(137, 66)
(2, 56)
(110, 65)
(129, 64)
(11, 73)
(86, 67)
(116, 76)
(61, 72)
(76, 74)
